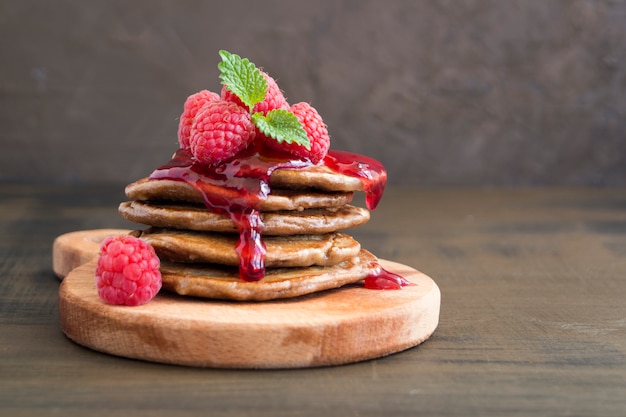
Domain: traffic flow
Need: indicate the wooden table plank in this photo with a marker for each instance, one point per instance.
(533, 320)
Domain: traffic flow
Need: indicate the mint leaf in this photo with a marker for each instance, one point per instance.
(243, 78)
(283, 126)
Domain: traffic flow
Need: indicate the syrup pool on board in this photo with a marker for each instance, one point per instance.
(237, 187)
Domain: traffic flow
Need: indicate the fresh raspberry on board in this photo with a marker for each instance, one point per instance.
(316, 131)
(220, 130)
(191, 107)
(128, 271)
(274, 98)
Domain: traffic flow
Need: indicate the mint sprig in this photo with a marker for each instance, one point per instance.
(283, 126)
(246, 81)
(243, 78)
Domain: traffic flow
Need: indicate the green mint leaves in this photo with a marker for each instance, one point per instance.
(246, 81)
(283, 126)
(243, 78)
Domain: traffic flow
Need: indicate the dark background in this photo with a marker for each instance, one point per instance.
(466, 92)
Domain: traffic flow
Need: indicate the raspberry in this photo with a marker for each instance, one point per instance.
(128, 271)
(274, 98)
(220, 130)
(316, 131)
(193, 103)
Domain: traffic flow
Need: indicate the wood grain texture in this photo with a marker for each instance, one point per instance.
(73, 249)
(334, 327)
(532, 315)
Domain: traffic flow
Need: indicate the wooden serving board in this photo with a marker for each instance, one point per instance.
(334, 327)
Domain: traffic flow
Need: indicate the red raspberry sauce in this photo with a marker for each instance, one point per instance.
(237, 186)
(372, 174)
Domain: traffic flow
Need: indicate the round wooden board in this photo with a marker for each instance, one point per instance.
(334, 327)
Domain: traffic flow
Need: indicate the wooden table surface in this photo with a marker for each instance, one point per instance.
(533, 318)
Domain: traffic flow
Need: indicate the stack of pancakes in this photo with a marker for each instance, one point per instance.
(303, 217)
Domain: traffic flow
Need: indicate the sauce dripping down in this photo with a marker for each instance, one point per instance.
(237, 187)
(372, 174)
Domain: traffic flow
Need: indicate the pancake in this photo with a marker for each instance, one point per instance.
(209, 281)
(318, 177)
(198, 218)
(282, 251)
(302, 216)
(278, 199)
